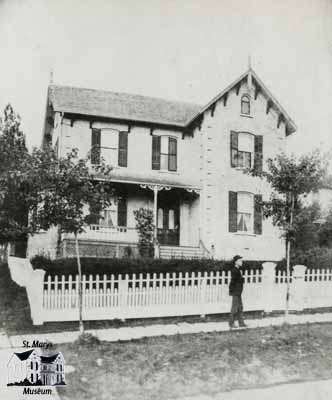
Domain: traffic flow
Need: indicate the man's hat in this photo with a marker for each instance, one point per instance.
(237, 257)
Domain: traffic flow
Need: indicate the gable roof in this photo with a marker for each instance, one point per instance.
(24, 355)
(125, 106)
(49, 359)
(291, 127)
(133, 107)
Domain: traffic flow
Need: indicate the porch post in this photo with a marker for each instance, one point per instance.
(155, 216)
(155, 189)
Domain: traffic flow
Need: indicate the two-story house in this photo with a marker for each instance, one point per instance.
(35, 369)
(183, 161)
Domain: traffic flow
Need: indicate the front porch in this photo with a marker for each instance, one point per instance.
(176, 224)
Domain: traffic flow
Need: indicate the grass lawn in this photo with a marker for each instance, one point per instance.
(183, 365)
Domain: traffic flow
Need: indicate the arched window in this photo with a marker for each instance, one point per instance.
(245, 104)
(171, 219)
(160, 223)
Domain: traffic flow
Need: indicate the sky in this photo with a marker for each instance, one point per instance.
(174, 49)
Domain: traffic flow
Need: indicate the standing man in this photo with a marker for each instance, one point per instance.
(235, 290)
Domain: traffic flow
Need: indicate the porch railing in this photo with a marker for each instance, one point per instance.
(108, 233)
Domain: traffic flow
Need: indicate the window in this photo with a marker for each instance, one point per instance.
(164, 153)
(115, 215)
(110, 145)
(245, 104)
(31, 365)
(245, 210)
(107, 218)
(171, 219)
(242, 149)
(160, 223)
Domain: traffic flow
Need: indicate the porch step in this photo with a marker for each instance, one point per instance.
(180, 252)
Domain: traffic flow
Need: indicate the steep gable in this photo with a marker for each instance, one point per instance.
(251, 77)
(24, 355)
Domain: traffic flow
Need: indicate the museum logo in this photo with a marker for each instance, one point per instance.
(33, 368)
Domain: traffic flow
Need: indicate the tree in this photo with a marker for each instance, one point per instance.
(307, 232)
(14, 162)
(66, 189)
(325, 231)
(290, 178)
(38, 190)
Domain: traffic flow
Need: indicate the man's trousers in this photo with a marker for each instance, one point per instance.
(236, 310)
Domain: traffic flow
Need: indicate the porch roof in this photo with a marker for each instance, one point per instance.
(176, 181)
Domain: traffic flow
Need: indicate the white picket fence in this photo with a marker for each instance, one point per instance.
(176, 294)
(138, 296)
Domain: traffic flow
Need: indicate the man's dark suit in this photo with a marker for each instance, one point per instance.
(235, 290)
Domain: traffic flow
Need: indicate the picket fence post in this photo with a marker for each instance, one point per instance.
(203, 293)
(123, 293)
(268, 285)
(297, 290)
(35, 292)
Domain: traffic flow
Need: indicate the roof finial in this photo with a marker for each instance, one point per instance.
(51, 76)
(249, 73)
(249, 61)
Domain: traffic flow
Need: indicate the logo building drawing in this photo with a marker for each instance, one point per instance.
(32, 368)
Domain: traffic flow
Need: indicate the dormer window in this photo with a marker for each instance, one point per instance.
(245, 104)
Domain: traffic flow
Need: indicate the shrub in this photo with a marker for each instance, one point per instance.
(317, 257)
(145, 227)
(116, 266)
(87, 340)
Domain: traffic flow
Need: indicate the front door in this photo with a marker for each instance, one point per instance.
(168, 224)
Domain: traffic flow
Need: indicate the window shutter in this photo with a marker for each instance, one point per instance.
(232, 211)
(122, 212)
(95, 146)
(172, 154)
(123, 149)
(155, 152)
(234, 147)
(258, 165)
(258, 215)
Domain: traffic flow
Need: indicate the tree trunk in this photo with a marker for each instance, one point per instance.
(58, 243)
(288, 260)
(288, 279)
(80, 289)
